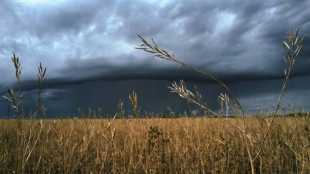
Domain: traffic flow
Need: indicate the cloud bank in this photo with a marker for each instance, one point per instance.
(92, 42)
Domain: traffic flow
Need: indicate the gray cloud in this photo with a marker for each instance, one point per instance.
(85, 42)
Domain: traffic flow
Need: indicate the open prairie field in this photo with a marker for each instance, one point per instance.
(153, 145)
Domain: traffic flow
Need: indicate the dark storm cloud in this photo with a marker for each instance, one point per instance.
(216, 36)
(91, 42)
(63, 97)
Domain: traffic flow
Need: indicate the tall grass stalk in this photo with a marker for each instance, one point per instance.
(26, 146)
(292, 53)
(134, 102)
(195, 97)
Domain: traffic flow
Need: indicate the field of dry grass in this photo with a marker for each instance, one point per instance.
(154, 145)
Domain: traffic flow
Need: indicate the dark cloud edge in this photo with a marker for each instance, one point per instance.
(158, 74)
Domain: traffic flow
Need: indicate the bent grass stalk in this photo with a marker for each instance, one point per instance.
(196, 98)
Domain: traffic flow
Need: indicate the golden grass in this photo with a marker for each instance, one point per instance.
(154, 145)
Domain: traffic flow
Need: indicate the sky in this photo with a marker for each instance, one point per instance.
(88, 49)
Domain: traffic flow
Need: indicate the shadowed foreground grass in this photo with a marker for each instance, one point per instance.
(154, 145)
